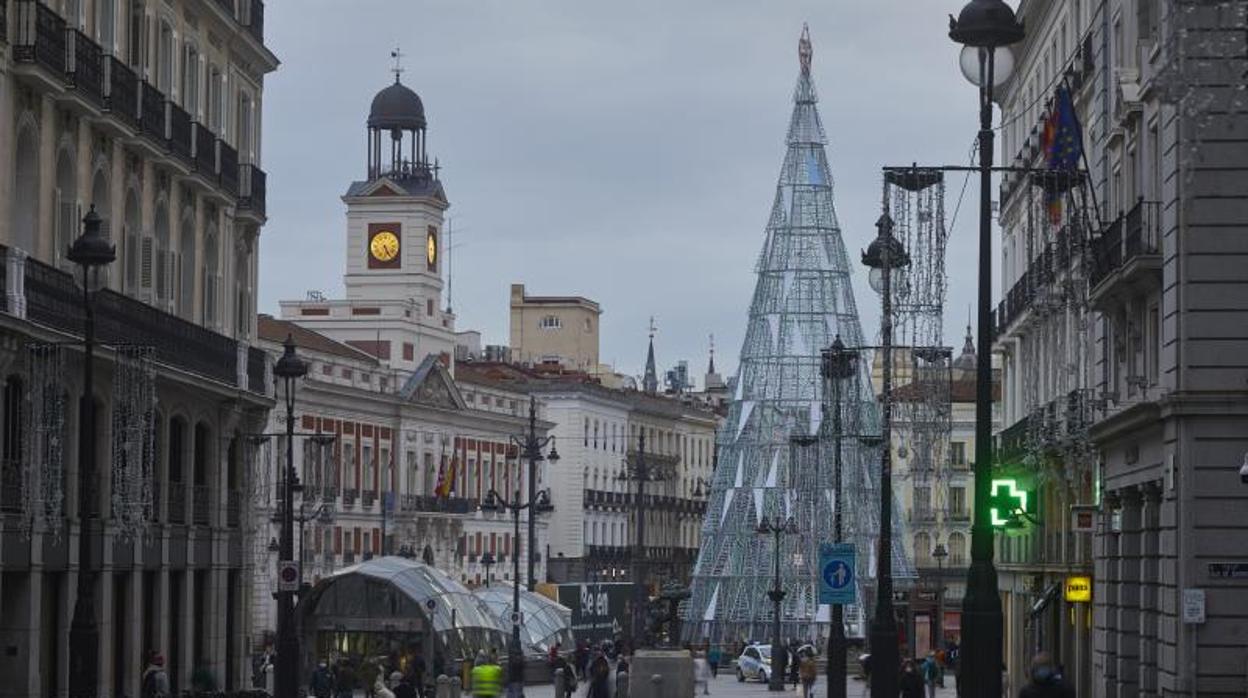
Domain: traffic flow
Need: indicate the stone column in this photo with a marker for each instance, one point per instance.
(1128, 622)
(1105, 600)
(186, 624)
(1150, 571)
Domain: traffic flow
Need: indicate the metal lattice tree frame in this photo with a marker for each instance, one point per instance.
(802, 300)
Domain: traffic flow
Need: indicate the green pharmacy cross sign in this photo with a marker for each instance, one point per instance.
(1007, 504)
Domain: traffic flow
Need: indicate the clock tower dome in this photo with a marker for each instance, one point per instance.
(393, 307)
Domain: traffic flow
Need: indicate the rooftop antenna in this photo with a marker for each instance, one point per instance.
(711, 368)
(450, 224)
(397, 55)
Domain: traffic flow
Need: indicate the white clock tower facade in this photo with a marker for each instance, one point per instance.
(393, 307)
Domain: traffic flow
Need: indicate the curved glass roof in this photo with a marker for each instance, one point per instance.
(393, 588)
(545, 621)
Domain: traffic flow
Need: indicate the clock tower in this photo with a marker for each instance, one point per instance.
(393, 307)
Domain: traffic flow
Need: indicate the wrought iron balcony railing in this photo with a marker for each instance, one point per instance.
(86, 66)
(227, 168)
(177, 503)
(40, 37)
(251, 188)
(179, 132)
(203, 150)
(121, 97)
(152, 113)
(201, 505)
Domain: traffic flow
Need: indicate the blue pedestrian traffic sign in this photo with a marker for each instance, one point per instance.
(836, 574)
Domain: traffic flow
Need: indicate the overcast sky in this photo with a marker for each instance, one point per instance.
(623, 151)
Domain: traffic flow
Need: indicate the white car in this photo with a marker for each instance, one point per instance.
(755, 663)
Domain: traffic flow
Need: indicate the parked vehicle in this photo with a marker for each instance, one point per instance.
(755, 663)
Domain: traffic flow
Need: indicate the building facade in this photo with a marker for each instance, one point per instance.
(598, 430)
(390, 463)
(149, 113)
(554, 329)
(1122, 391)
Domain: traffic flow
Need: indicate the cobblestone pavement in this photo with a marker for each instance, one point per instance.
(727, 686)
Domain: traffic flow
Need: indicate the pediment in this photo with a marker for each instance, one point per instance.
(431, 384)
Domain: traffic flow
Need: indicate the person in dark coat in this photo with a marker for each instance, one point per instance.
(599, 678)
(911, 684)
(1045, 681)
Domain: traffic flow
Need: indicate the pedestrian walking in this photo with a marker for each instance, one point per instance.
(487, 677)
(808, 671)
(1045, 681)
(155, 681)
(401, 686)
(714, 656)
(344, 680)
(322, 682)
(911, 684)
(599, 678)
(701, 674)
(930, 670)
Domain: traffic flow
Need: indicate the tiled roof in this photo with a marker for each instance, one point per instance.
(272, 329)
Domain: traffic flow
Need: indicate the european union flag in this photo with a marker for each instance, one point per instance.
(1063, 146)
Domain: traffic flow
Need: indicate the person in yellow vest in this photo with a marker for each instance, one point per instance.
(487, 677)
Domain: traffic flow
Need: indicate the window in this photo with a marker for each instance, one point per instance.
(215, 81)
(370, 468)
(550, 322)
(1154, 344)
(186, 271)
(164, 60)
(210, 267)
(190, 81)
(105, 24)
(348, 466)
(243, 139)
(413, 473)
(429, 307)
(922, 502)
(957, 502)
(957, 453)
(136, 38)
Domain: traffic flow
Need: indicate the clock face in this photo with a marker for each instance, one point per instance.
(384, 246)
(431, 248)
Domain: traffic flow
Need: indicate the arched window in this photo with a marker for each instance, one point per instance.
(65, 205)
(164, 60)
(210, 271)
(922, 549)
(163, 261)
(186, 264)
(133, 235)
(25, 209)
(957, 549)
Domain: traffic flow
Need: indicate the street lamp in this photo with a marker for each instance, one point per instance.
(777, 528)
(289, 368)
(488, 561)
(839, 364)
(885, 255)
(939, 553)
(984, 28)
(530, 446)
(641, 471)
(92, 251)
(539, 504)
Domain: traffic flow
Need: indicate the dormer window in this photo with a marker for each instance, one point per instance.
(550, 322)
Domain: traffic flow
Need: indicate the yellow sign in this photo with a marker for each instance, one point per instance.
(1078, 589)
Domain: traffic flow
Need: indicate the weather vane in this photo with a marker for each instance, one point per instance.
(397, 55)
(804, 50)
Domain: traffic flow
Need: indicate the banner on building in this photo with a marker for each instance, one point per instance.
(599, 610)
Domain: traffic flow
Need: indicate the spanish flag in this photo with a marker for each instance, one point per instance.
(446, 478)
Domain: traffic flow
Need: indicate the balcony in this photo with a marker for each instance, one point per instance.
(367, 498)
(251, 189)
(203, 150)
(227, 168)
(10, 485)
(1127, 257)
(412, 504)
(177, 503)
(53, 299)
(152, 113)
(179, 131)
(257, 362)
(86, 67)
(201, 505)
(121, 98)
(349, 496)
(40, 37)
(959, 515)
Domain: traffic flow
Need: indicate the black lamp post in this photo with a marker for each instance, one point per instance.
(779, 529)
(488, 561)
(642, 471)
(540, 503)
(885, 255)
(939, 553)
(289, 368)
(839, 364)
(984, 28)
(530, 446)
(91, 251)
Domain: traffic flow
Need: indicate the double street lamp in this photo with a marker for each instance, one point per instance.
(985, 28)
(885, 256)
(540, 503)
(530, 446)
(487, 560)
(289, 368)
(838, 365)
(778, 528)
(92, 251)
